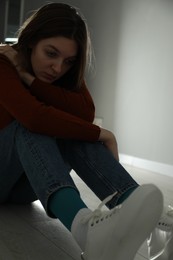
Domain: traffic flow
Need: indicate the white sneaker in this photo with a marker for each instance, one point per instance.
(117, 234)
(160, 242)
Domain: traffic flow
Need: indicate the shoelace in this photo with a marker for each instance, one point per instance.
(97, 213)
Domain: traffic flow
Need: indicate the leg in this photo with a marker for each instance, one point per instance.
(12, 177)
(22, 192)
(43, 164)
(47, 172)
(98, 169)
(104, 175)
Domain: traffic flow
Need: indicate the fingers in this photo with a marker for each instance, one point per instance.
(5, 47)
(9, 52)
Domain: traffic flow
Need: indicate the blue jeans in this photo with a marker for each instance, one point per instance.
(34, 166)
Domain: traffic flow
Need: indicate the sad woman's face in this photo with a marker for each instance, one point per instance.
(51, 58)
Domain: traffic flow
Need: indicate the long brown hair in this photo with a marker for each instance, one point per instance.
(57, 19)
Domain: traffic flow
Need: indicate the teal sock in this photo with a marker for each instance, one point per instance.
(125, 195)
(64, 204)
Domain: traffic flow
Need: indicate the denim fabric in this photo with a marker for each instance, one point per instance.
(34, 166)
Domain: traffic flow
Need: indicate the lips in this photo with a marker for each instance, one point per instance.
(51, 77)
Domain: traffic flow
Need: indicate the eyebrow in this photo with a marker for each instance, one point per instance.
(58, 51)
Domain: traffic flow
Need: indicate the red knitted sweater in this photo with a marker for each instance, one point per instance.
(44, 108)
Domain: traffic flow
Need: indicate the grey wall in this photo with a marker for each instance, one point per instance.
(144, 80)
(133, 87)
(133, 84)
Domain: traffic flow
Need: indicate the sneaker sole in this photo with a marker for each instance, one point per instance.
(167, 251)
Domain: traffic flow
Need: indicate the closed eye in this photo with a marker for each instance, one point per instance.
(51, 54)
(70, 61)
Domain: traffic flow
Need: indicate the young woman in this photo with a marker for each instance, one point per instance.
(46, 129)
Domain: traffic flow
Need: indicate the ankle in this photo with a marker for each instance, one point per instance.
(64, 204)
(125, 195)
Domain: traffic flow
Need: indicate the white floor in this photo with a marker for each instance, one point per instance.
(26, 233)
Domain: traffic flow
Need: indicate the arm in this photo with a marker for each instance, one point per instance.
(37, 116)
(42, 119)
(9, 52)
(110, 142)
(79, 103)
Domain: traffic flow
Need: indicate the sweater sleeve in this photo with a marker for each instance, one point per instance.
(37, 116)
(78, 103)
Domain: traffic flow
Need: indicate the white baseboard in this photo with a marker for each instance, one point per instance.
(161, 168)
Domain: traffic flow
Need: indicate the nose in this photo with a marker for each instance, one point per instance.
(57, 66)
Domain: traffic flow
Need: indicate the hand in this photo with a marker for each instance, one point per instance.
(14, 58)
(110, 142)
(10, 53)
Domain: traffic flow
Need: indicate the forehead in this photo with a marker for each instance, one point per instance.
(65, 46)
